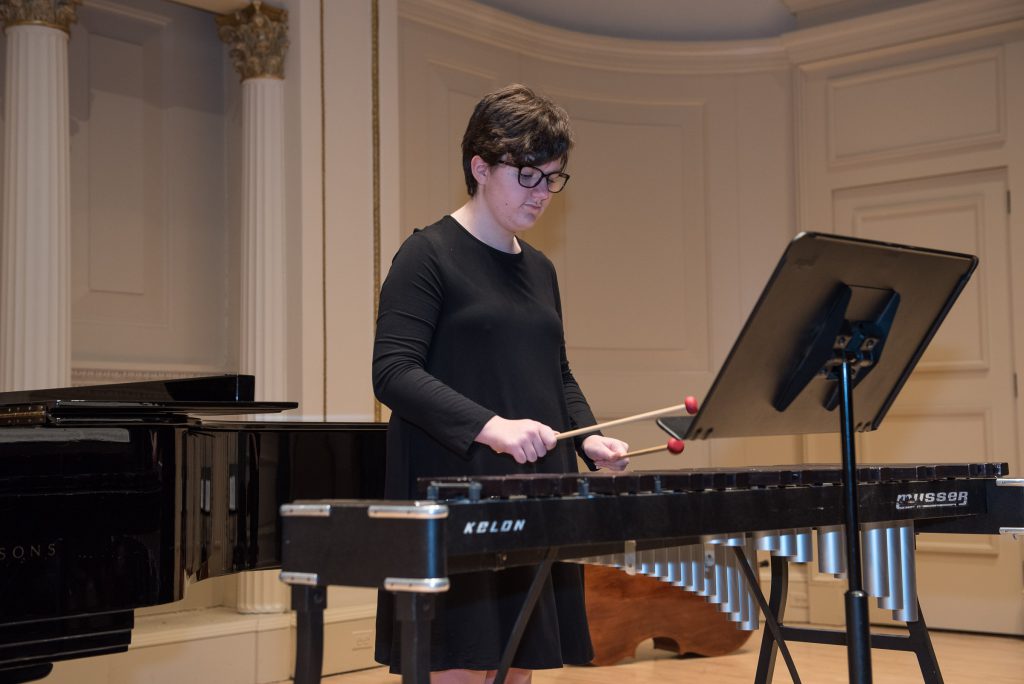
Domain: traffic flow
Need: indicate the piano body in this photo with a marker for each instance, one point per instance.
(115, 497)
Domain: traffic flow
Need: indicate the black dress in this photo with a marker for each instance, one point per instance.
(466, 332)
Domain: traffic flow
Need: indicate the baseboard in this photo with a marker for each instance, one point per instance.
(223, 646)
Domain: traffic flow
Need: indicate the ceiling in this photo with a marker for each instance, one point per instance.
(672, 20)
(696, 20)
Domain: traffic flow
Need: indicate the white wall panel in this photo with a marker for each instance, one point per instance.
(941, 217)
(931, 434)
(619, 249)
(151, 272)
(441, 80)
(930, 106)
(119, 228)
(117, 167)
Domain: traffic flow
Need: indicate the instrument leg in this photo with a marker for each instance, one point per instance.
(414, 611)
(539, 579)
(916, 641)
(309, 603)
(772, 640)
(922, 647)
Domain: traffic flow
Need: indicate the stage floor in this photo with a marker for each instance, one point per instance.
(964, 659)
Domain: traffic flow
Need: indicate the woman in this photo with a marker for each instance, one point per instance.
(470, 357)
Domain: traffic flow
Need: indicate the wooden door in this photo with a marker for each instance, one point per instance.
(960, 403)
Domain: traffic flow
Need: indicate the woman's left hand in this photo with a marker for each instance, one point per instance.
(606, 452)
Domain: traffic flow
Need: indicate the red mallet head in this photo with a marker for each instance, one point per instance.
(676, 446)
(691, 405)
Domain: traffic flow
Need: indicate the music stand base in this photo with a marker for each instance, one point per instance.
(916, 641)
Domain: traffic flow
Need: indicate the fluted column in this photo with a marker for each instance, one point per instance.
(263, 258)
(35, 285)
(257, 36)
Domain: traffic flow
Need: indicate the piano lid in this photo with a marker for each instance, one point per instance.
(209, 395)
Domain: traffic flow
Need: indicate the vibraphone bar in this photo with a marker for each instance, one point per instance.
(466, 524)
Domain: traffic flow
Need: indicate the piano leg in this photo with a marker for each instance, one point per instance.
(415, 610)
(309, 603)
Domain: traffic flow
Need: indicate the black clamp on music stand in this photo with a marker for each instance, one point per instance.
(817, 332)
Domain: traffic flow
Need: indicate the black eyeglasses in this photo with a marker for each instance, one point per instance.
(531, 176)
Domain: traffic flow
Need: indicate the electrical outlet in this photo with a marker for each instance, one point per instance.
(363, 639)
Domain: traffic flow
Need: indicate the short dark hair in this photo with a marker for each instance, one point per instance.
(516, 125)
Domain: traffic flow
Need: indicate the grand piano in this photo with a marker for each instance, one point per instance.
(115, 497)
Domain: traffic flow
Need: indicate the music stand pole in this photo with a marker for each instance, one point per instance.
(858, 634)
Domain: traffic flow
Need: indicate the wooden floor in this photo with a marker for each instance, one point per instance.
(963, 659)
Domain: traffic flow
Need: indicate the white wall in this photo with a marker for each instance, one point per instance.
(920, 143)
(680, 200)
(153, 290)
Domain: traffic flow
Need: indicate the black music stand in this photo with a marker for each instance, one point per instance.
(837, 314)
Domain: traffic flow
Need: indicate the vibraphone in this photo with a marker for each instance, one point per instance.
(681, 525)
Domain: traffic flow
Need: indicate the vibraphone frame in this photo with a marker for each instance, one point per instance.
(410, 548)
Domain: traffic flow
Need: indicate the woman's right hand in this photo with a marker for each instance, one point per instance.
(524, 440)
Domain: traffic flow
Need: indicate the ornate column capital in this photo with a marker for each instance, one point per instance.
(58, 14)
(258, 38)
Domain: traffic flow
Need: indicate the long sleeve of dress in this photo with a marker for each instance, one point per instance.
(411, 302)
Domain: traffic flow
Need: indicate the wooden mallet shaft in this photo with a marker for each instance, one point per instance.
(690, 406)
(674, 446)
(648, 450)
